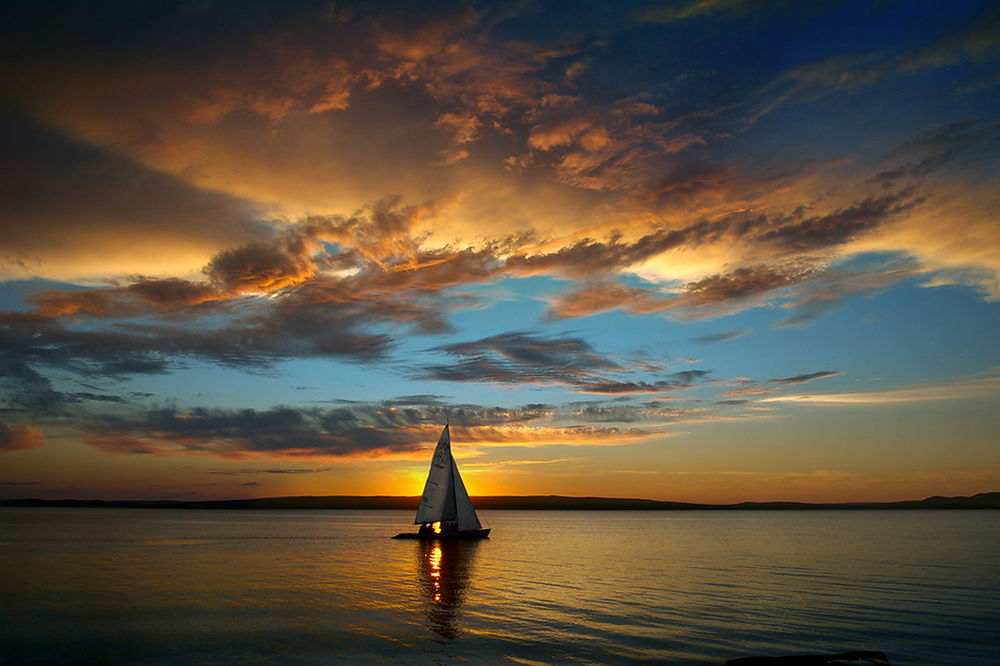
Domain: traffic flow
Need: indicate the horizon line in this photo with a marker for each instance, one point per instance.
(987, 499)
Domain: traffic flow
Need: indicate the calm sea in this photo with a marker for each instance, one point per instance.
(135, 586)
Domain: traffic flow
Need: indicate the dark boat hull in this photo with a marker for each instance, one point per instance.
(466, 534)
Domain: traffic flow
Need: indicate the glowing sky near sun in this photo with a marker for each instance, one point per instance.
(705, 251)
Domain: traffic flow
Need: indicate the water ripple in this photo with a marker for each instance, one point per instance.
(164, 587)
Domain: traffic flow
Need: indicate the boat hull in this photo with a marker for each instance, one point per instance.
(465, 534)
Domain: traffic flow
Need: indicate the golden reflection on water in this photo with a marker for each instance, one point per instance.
(445, 568)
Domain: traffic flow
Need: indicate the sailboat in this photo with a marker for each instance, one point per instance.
(445, 510)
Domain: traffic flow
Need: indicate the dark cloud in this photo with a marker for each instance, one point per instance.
(424, 400)
(688, 377)
(30, 341)
(238, 433)
(747, 387)
(24, 389)
(603, 413)
(721, 337)
(250, 483)
(362, 430)
(253, 337)
(353, 306)
(626, 410)
(678, 381)
(843, 225)
(19, 483)
(258, 266)
(802, 379)
(170, 296)
(588, 257)
(35, 340)
(938, 147)
(99, 397)
(525, 358)
(511, 357)
(521, 357)
(740, 284)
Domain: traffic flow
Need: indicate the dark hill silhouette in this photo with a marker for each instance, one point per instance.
(525, 502)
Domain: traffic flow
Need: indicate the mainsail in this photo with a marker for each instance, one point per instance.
(445, 499)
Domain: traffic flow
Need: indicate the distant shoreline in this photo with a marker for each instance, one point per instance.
(989, 500)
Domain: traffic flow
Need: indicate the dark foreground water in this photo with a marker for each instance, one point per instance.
(143, 586)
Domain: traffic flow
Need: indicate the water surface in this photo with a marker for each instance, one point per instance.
(144, 586)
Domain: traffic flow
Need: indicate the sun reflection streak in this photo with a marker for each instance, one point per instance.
(434, 559)
(445, 569)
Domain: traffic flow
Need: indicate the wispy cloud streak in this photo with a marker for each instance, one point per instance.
(980, 387)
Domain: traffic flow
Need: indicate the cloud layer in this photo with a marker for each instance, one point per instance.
(382, 199)
(402, 428)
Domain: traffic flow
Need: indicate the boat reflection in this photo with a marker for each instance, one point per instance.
(445, 572)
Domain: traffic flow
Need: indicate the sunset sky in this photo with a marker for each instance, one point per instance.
(705, 250)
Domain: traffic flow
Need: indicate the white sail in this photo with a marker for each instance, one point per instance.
(444, 498)
(438, 487)
(467, 518)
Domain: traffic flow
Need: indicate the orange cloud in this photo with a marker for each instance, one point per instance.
(19, 437)
(595, 187)
(594, 298)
